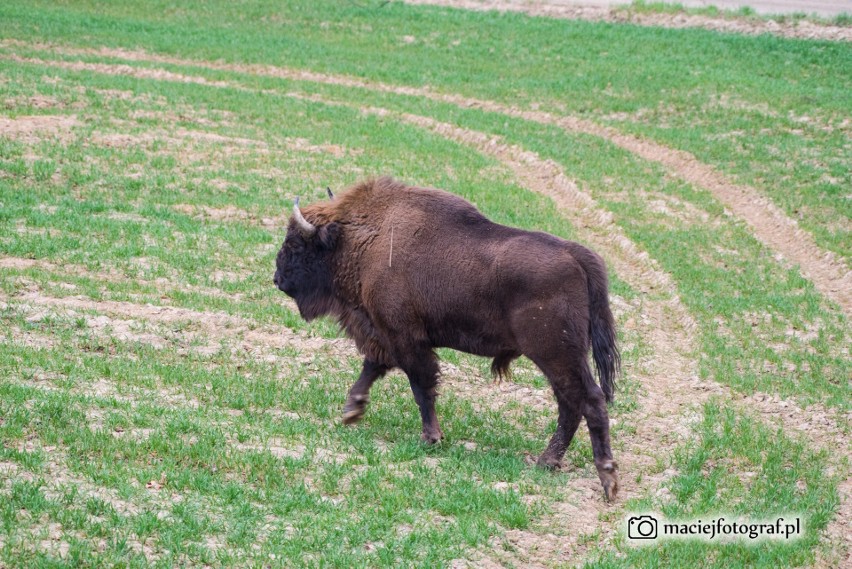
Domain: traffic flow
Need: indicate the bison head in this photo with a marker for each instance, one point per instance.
(303, 267)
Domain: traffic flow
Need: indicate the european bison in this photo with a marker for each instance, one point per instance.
(405, 270)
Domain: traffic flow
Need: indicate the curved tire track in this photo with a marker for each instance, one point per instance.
(673, 387)
(216, 325)
(829, 273)
(676, 389)
(672, 391)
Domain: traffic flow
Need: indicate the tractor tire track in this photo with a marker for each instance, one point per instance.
(764, 405)
(673, 390)
(216, 325)
(829, 273)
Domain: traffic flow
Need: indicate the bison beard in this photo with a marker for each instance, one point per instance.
(405, 270)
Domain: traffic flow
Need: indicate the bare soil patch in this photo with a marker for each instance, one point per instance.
(194, 148)
(233, 214)
(173, 137)
(112, 274)
(33, 129)
(281, 448)
(802, 29)
(216, 326)
(127, 330)
(36, 101)
(304, 145)
(121, 69)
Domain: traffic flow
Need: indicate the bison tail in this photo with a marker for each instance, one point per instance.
(601, 322)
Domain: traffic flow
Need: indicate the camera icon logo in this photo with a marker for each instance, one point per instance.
(642, 527)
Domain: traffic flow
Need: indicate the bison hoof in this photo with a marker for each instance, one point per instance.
(431, 438)
(549, 462)
(353, 416)
(607, 472)
(354, 409)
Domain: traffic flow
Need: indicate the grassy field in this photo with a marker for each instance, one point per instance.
(161, 403)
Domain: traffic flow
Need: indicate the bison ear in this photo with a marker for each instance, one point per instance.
(329, 234)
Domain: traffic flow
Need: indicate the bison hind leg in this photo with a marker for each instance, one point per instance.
(608, 474)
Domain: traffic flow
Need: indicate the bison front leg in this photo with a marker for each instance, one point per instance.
(422, 371)
(359, 394)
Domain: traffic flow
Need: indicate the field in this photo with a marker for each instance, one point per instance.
(162, 404)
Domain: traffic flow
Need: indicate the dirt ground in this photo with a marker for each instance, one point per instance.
(606, 10)
(823, 8)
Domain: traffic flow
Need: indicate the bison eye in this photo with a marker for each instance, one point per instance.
(294, 244)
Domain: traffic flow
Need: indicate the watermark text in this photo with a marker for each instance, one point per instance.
(651, 527)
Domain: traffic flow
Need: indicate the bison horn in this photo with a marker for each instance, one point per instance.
(306, 228)
(330, 195)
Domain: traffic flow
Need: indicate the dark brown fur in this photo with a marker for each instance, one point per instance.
(406, 270)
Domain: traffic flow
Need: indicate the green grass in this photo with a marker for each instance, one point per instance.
(737, 467)
(747, 12)
(736, 102)
(134, 440)
(795, 318)
(640, 6)
(216, 480)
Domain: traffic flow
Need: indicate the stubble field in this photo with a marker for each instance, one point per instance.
(161, 403)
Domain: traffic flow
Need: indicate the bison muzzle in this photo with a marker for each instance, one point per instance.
(405, 270)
